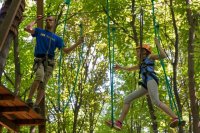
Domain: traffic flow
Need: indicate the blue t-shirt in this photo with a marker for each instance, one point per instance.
(46, 42)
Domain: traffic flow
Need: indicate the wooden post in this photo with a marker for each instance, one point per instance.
(8, 20)
(40, 6)
(40, 11)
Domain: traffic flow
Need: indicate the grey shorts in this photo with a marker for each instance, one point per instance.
(152, 91)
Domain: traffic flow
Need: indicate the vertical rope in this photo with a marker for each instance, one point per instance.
(112, 70)
(110, 64)
(60, 58)
(78, 70)
(170, 93)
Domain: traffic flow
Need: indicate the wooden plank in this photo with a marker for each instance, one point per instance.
(7, 22)
(8, 124)
(3, 90)
(9, 117)
(14, 109)
(34, 114)
(32, 122)
(7, 104)
(24, 115)
(6, 97)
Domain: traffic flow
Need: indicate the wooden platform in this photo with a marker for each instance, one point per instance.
(14, 112)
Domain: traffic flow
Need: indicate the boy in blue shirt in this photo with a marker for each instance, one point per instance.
(46, 44)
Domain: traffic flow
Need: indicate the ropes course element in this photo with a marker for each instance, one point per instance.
(67, 2)
(77, 72)
(60, 58)
(111, 61)
(173, 104)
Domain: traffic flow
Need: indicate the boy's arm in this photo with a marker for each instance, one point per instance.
(162, 52)
(68, 50)
(29, 28)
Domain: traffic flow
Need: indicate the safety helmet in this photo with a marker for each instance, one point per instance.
(146, 47)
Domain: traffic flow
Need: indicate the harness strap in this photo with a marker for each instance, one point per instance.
(147, 73)
(152, 74)
(145, 66)
(45, 62)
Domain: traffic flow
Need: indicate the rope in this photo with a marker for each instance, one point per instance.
(112, 70)
(111, 60)
(67, 2)
(60, 58)
(78, 70)
(169, 89)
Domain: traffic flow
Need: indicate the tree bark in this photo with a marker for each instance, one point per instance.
(152, 114)
(135, 36)
(12, 33)
(1, 128)
(17, 66)
(192, 21)
(4, 52)
(175, 63)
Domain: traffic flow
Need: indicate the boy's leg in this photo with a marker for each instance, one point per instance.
(39, 76)
(40, 94)
(33, 88)
(41, 88)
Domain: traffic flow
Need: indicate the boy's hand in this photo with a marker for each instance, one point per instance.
(39, 17)
(156, 40)
(81, 40)
(117, 67)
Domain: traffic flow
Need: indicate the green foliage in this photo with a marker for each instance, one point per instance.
(90, 104)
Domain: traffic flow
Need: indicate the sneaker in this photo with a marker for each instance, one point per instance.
(29, 102)
(36, 108)
(117, 124)
(175, 122)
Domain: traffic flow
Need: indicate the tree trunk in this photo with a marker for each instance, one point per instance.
(13, 31)
(193, 101)
(4, 52)
(175, 63)
(152, 114)
(17, 66)
(135, 36)
(1, 128)
(32, 129)
(77, 105)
